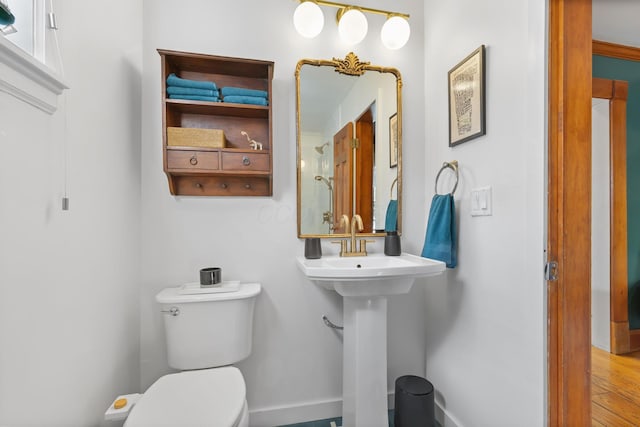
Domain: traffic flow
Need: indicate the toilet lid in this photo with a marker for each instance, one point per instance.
(174, 296)
(208, 397)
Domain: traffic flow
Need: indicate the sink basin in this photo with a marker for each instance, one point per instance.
(372, 275)
(365, 283)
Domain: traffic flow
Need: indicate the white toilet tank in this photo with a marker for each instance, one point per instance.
(206, 330)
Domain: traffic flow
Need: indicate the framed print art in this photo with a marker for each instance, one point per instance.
(467, 98)
(393, 141)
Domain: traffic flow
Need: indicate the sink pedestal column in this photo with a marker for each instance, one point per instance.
(364, 385)
(365, 283)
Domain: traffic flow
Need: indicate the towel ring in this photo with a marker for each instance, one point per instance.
(395, 181)
(451, 165)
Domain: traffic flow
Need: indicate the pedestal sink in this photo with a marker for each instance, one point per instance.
(365, 283)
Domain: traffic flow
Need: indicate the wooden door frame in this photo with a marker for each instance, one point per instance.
(614, 50)
(628, 53)
(364, 163)
(569, 202)
(569, 213)
(616, 92)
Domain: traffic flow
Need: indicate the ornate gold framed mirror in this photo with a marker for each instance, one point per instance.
(349, 146)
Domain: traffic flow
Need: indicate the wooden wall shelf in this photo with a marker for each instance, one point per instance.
(236, 169)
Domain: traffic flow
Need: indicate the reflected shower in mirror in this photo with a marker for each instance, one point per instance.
(349, 136)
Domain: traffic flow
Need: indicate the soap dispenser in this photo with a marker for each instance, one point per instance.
(392, 244)
(312, 248)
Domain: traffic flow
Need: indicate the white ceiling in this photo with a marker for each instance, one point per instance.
(617, 21)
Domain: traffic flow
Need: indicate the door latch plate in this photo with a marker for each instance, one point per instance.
(551, 271)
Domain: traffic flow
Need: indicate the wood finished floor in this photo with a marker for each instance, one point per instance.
(615, 389)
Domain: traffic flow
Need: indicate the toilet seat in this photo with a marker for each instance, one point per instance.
(207, 397)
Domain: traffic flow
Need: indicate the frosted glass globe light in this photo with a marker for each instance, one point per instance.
(353, 26)
(308, 19)
(395, 32)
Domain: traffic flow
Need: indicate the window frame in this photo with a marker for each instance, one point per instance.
(28, 77)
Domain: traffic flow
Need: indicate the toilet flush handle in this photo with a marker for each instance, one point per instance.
(174, 311)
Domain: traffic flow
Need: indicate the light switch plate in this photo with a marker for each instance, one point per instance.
(481, 203)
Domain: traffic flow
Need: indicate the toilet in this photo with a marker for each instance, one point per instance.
(206, 332)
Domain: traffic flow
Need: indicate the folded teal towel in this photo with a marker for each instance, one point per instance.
(391, 220)
(440, 240)
(246, 100)
(240, 91)
(174, 80)
(195, 98)
(178, 90)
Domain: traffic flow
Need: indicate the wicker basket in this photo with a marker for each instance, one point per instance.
(193, 137)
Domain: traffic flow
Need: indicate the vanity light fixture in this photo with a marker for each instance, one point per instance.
(395, 32)
(352, 23)
(308, 19)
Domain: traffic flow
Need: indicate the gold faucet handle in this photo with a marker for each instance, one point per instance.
(343, 246)
(363, 245)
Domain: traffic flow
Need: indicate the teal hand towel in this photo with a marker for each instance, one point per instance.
(195, 98)
(178, 90)
(237, 99)
(440, 242)
(174, 80)
(240, 91)
(391, 220)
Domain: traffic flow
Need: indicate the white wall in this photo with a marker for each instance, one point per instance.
(296, 360)
(486, 319)
(600, 230)
(69, 288)
(74, 333)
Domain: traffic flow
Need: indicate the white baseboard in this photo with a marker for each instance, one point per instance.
(290, 414)
(323, 409)
(305, 411)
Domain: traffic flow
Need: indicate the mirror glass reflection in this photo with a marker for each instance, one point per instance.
(349, 146)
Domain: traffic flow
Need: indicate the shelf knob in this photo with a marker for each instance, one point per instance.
(198, 185)
(247, 186)
(193, 160)
(246, 161)
(223, 185)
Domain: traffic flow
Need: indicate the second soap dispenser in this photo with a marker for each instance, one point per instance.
(392, 244)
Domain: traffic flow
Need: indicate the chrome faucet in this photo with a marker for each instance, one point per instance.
(351, 229)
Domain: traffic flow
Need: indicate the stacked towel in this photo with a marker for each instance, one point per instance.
(174, 80)
(195, 98)
(237, 99)
(240, 91)
(440, 241)
(193, 90)
(241, 95)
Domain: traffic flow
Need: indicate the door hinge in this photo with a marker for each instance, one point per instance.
(355, 143)
(551, 271)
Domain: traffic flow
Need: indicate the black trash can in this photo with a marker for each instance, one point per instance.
(414, 402)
